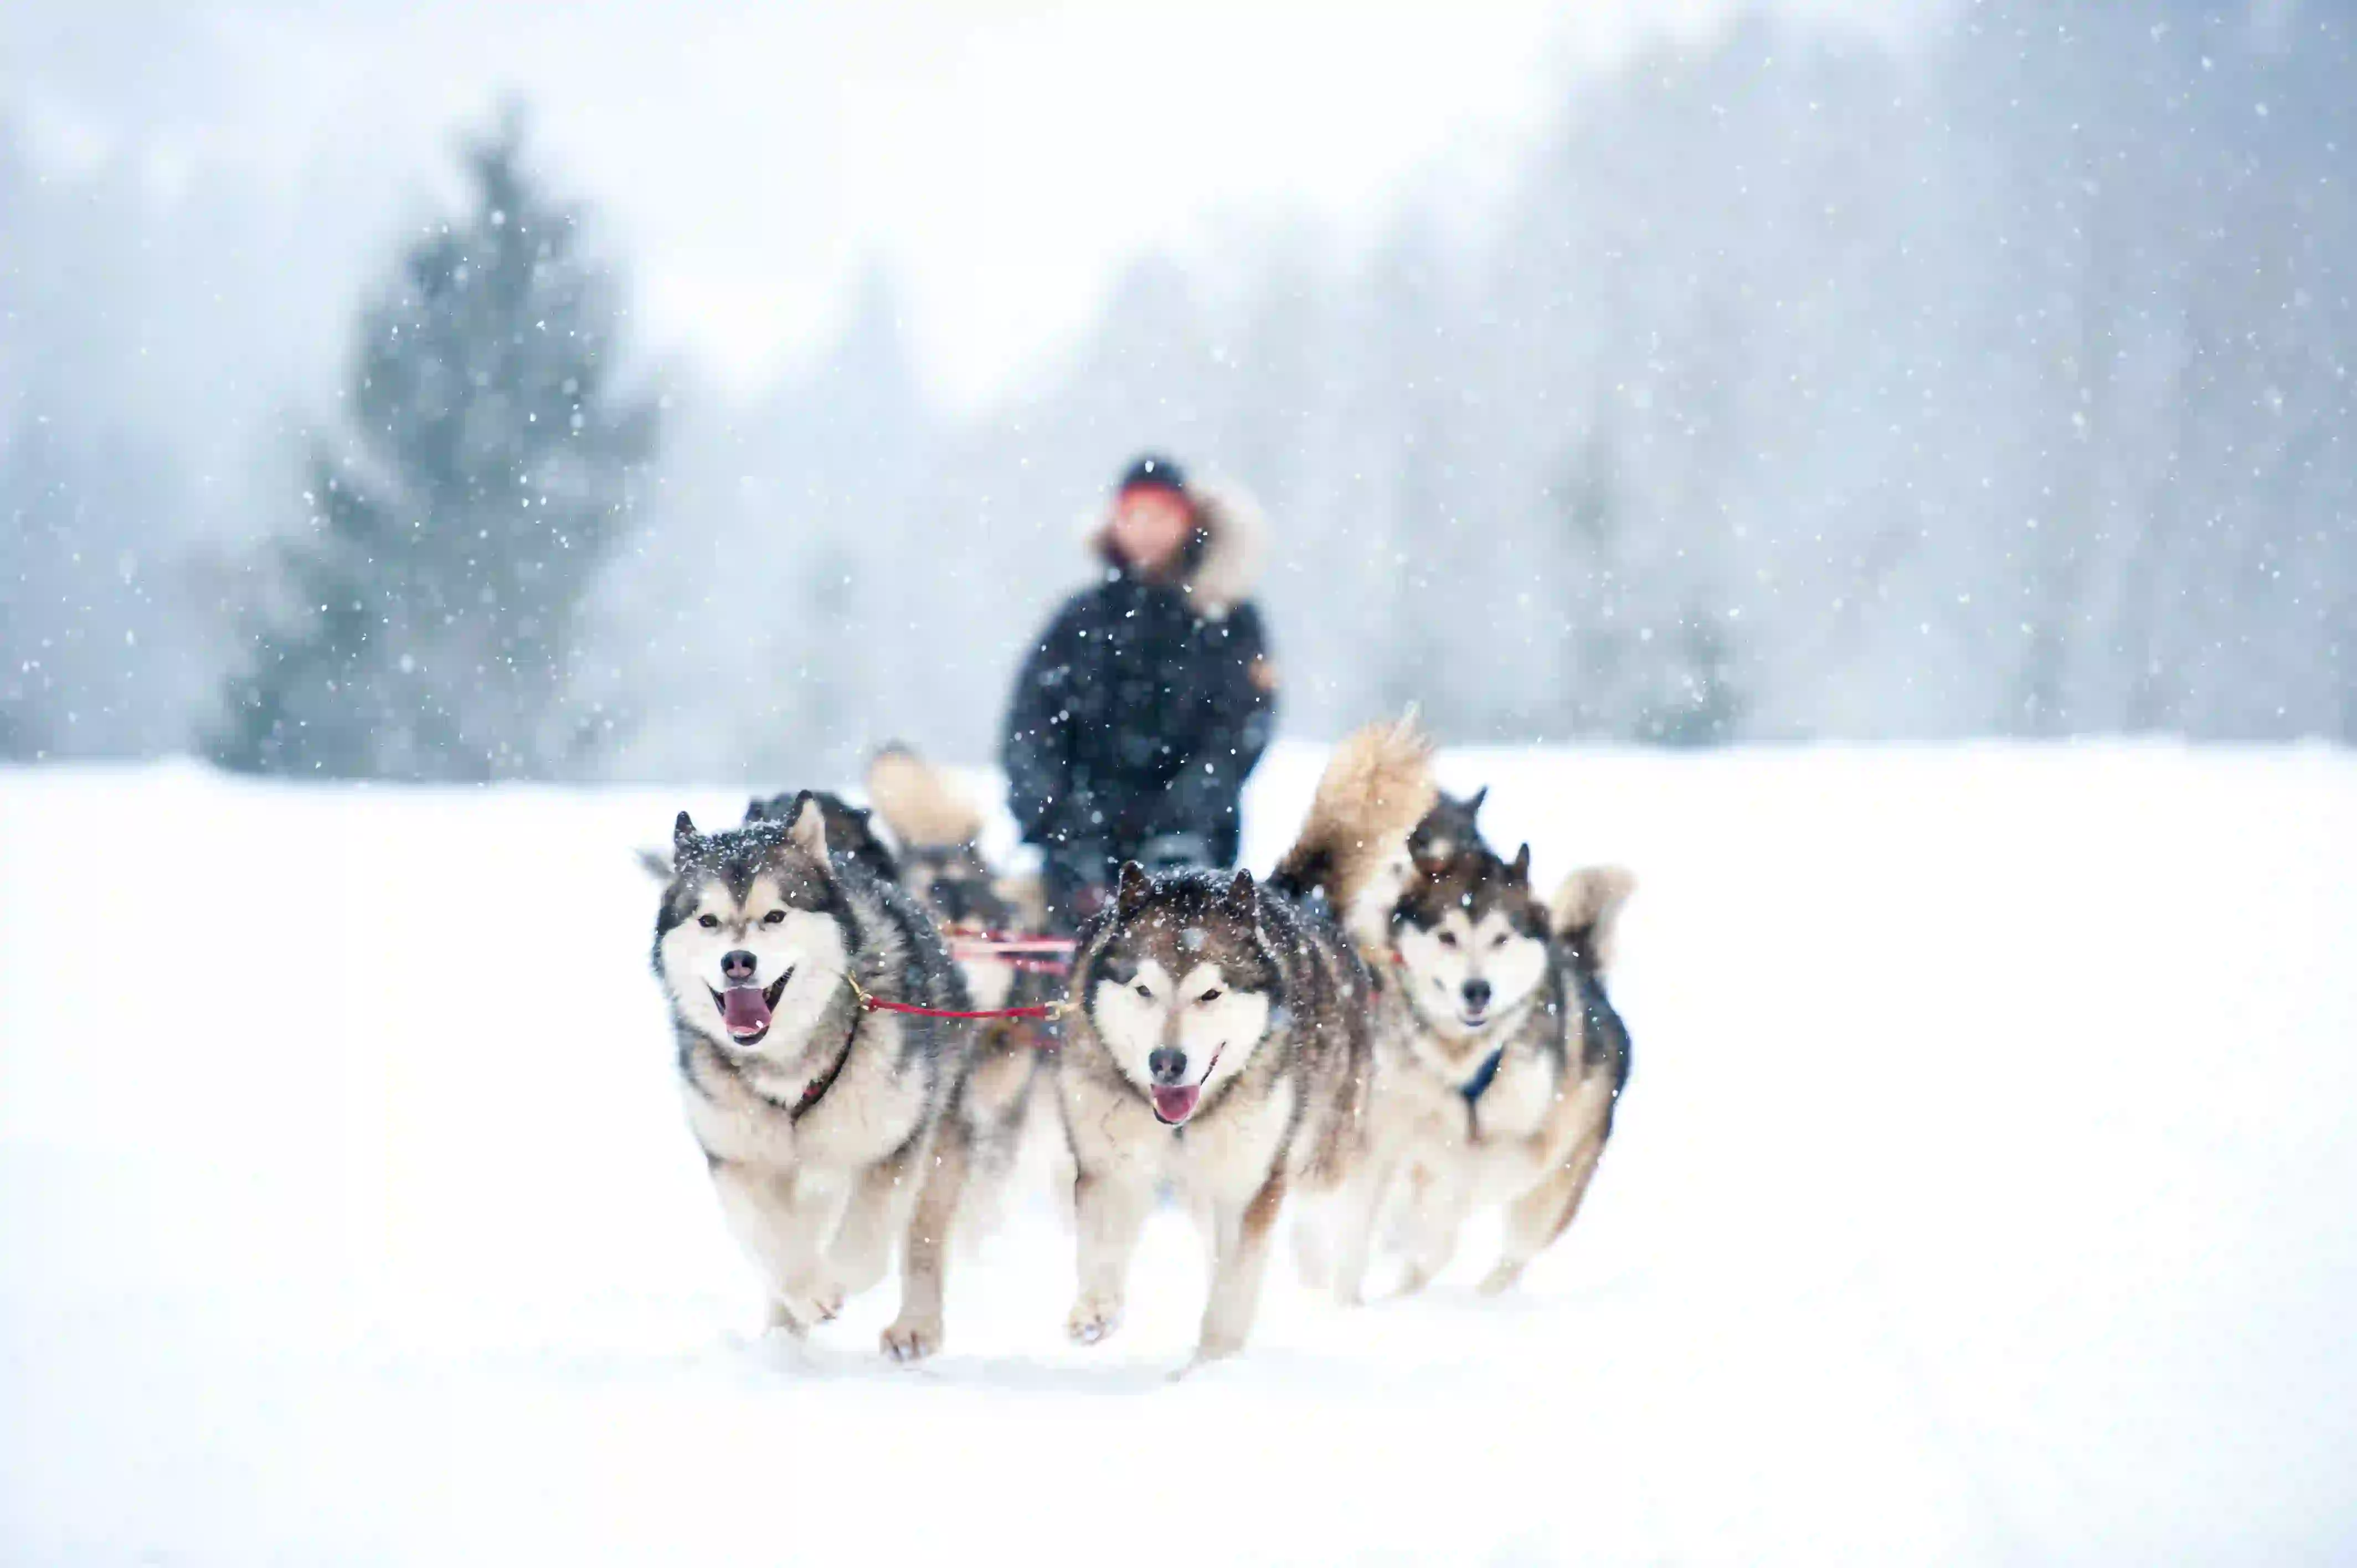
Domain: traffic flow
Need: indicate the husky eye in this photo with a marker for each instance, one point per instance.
(778, 918)
(709, 922)
(1207, 998)
(1143, 990)
(1499, 940)
(1448, 939)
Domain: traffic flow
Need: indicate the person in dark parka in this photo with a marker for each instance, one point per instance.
(1143, 707)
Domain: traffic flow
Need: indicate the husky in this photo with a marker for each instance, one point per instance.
(939, 832)
(849, 832)
(850, 829)
(1220, 1042)
(1500, 1061)
(1500, 1058)
(1450, 826)
(831, 1131)
(1503, 1057)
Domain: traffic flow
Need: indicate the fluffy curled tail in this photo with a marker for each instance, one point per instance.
(1586, 914)
(922, 806)
(1375, 788)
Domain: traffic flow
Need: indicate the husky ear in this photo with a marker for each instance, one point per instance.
(1243, 893)
(652, 863)
(1518, 870)
(684, 837)
(1473, 805)
(808, 833)
(1132, 889)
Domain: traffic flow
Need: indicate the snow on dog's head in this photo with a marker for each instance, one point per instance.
(1471, 939)
(1177, 979)
(749, 940)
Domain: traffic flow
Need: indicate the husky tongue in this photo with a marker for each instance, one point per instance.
(746, 1010)
(1175, 1105)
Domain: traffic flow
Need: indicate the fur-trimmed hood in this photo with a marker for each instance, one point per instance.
(1231, 535)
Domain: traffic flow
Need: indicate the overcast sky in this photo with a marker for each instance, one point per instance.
(1001, 159)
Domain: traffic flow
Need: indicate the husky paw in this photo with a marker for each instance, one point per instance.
(1500, 1280)
(913, 1338)
(1208, 1353)
(799, 1312)
(1093, 1320)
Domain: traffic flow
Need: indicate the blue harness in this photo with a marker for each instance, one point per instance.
(1483, 1076)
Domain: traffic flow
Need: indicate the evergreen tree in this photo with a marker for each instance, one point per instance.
(486, 476)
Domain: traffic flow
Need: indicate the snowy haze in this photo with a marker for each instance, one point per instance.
(1980, 1195)
(1679, 373)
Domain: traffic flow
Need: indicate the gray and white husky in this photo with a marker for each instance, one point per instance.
(1219, 1045)
(834, 1133)
(1501, 1061)
(1498, 1057)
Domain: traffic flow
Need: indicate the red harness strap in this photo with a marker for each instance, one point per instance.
(1010, 942)
(873, 1004)
(877, 1004)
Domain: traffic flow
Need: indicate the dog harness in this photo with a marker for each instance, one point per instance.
(870, 1003)
(1477, 1086)
(1473, 1088)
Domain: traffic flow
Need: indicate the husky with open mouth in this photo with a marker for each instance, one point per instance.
(833, 1132)
(1220, 1043)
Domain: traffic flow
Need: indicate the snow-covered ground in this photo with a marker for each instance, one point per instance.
(1986, 1191)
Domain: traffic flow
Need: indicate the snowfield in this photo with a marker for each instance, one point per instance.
(1985, 1192)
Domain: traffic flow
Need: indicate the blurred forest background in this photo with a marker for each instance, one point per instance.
(1793, 380)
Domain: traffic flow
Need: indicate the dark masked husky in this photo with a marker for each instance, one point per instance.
(1503, 1060)
(1220, 1043)
(831, 1131)
(1500, 1058)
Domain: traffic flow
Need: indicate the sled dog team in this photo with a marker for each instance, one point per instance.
(1390, 1033)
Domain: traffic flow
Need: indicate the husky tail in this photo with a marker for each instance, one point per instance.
(1585, 914)
(1374, 790)
(922, 806)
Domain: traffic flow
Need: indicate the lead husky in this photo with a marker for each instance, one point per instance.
(831, 1130)
(1221, 1043)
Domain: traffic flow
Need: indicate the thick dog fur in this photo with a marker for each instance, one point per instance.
(917, 803)
(939, 831)
(1510, 1105)
(850, 829)
(1500, 1059)
(834, 1131)
(1352, 850)
(1220, 1043)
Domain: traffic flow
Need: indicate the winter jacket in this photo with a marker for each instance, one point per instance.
(1143, 707)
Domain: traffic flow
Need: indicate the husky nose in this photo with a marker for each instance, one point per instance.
(738, 967)
(1476, 995)
(1167, 1065)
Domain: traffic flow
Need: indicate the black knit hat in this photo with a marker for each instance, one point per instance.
(1152, 471)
